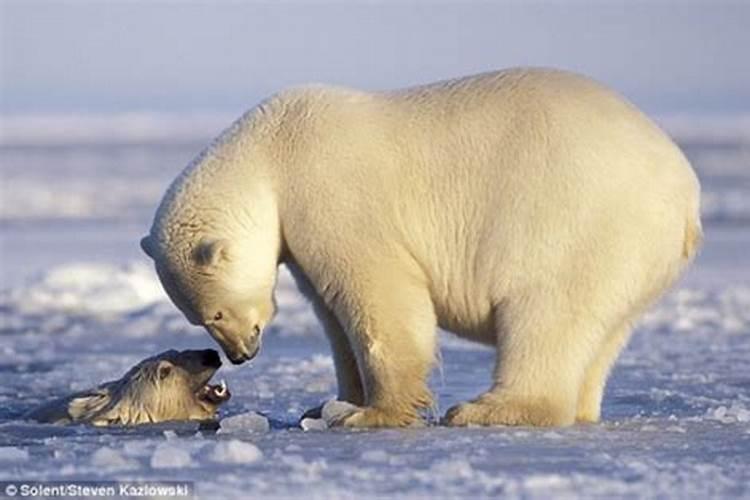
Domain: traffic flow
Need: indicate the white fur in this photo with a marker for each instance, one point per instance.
(529, 209)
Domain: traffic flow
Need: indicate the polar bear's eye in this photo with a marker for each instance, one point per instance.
(218, 316)
(256, 330)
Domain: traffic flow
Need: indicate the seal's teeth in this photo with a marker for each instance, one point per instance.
(222, 389)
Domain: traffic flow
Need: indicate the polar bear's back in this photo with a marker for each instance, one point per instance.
(508, 120)
(519, 176)
(512, 156)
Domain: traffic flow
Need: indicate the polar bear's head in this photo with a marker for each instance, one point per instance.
(216, 240)
(219, 285)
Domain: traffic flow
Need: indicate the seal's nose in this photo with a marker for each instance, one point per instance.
(211, 358)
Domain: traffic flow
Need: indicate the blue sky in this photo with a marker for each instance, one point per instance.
(129, 55)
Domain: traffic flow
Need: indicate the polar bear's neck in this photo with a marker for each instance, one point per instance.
(225, 192)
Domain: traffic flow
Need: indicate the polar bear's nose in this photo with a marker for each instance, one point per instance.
(211, 358)
(238, 359)
(248, 352)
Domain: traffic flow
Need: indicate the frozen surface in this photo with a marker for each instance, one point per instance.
(79, 305)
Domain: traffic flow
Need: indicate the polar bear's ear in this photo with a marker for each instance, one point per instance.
(211, 252)
(147, 245)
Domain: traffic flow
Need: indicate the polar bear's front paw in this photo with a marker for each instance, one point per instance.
(364, 417)
(508, 411)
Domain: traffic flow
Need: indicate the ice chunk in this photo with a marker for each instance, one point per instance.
(735, 413)
(719, 412)
(244, 422)
(169, 456)
(313, 424)
(743, 415)
(739, 412)
(235, 452)
(13, 454)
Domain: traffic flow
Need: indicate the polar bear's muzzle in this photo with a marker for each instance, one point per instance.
(248, 351)
(237, 358)
(238, 349)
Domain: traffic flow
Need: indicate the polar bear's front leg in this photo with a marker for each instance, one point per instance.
(347, 372)
(392, 332)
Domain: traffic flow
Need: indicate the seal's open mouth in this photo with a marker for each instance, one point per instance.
(214, 394)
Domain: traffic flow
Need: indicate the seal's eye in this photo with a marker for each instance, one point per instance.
(218, 316)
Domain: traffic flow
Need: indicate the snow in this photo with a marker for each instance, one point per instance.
(374, 456)
(170, 456)
(111, 459)
(235, 452)
(13, 454)
(87, 289)
(735, 413)
(79, 305)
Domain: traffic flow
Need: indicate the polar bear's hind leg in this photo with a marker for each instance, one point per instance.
(542, 356)
(595, 379)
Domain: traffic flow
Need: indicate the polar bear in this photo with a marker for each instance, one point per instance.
(529, 209)
(169, 386)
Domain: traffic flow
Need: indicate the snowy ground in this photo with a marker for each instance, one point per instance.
(79, 305)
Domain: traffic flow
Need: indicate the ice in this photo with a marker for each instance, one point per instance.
(244, 422)
(80, 304)
(313, 424)
(171, 456)
(13, 454)
(124, 128)
(375, 456)
(304, 470)
(235, 452)
(736, 412)
(111, 459)
(137, 448)
(97, 289)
